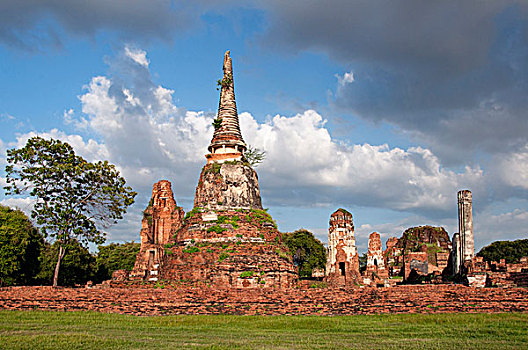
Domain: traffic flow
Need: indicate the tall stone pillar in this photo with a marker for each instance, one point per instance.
(455, 253)
(465, 226)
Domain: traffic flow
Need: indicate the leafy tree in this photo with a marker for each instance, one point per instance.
(254, 156)
(20, 245)
(114, 257)
(77, 267)
(308, 252)
(75, 198)
(363, 262)
(512, 251)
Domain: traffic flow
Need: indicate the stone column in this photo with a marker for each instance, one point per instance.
(465, 226)
(455, 254)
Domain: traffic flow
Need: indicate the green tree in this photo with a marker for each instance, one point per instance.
(254, 156)
(77, 267)
(20, 245)
(363, 262)
(76, 199)
(512, 251)
(114, 257)
(308, 252)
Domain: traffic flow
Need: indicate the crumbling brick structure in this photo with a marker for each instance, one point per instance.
(161, 219)
(376, 271)
(227, 239)
(342, 264)
(433, 242)
(393, 256)
(482, 273)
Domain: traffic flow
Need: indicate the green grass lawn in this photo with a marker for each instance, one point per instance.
(91, 330)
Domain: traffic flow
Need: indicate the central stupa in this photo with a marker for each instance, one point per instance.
(227, 239)
(227, 143)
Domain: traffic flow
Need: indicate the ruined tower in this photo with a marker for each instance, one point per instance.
(466, 250)
(375, 261)
(342, 264)
(161, 219)
(227, 239)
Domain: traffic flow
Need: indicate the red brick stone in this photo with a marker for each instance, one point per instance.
(174, 300)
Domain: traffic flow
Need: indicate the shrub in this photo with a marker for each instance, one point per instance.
(247, 274)
(216, 228)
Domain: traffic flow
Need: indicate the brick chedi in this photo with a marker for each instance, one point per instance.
(227, 239)
(376, 270)
(342, 265)
(161, 219)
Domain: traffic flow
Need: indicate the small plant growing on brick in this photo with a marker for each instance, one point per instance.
(216, 228)
(247, 274)
(225, 82)
(191, 250)
(223, 256)
(217, 123)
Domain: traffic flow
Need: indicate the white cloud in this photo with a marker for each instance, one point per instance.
(347, 78)
(149, 138)
(489, 227)
(513, 168)
(301, 152)
(25, 204)
(139, 56)
(91, 150)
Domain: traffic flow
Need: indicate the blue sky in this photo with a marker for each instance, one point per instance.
(384, 108)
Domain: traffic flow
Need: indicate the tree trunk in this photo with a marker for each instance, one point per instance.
(62, 251)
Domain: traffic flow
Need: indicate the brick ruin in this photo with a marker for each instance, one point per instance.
(227, 239)
(421, 251)
(342, 265)
(497, 274)
(161, 219)
(375, 271)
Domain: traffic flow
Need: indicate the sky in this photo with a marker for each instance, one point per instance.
(385, 108)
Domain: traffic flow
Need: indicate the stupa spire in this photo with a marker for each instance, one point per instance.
(227, 142)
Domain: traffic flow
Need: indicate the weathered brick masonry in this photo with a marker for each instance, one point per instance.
(269, 301)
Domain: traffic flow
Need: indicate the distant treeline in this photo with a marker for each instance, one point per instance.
(512, 251)
(27, 259)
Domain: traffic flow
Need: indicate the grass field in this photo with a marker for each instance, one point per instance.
(90, 330)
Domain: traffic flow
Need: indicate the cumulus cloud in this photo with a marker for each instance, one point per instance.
(25, 204)
(451, 73)
(139, 128)
(89, 149)
(512, 168)
(509, 225)
(302, 155)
